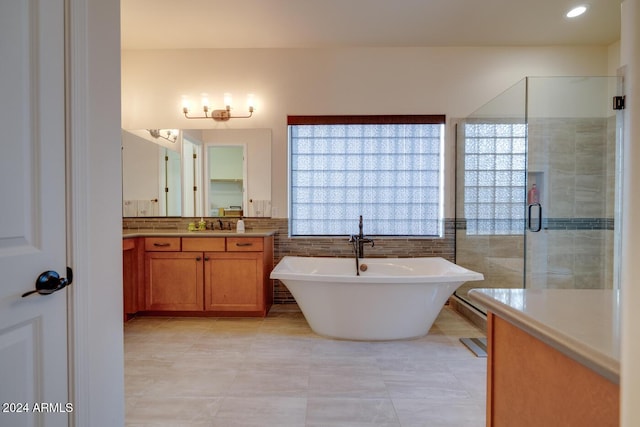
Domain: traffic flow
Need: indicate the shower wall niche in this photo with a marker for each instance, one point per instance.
(560, 134)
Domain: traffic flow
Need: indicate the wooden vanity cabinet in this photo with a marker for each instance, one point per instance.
(133, 276)
(210, 275)
(531, 384)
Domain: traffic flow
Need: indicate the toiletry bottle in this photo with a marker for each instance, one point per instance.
(240, 226)
(202, 225)
(533, 197)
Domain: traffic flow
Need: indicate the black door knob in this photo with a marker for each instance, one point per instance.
(48, 283)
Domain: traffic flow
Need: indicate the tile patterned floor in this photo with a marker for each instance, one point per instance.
(277, 372)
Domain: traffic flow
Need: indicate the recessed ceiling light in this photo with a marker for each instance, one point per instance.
(576, 11)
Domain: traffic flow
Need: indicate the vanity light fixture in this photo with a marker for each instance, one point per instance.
(170, 135)
(221, 115)
(577, 11)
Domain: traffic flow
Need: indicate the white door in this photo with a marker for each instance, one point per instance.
(33, 329)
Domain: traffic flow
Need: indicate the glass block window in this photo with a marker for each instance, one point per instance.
(494, 178)
(389, 169)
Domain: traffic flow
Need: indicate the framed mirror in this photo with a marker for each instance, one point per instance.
(196, 172)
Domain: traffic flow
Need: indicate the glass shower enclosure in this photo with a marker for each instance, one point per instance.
(537, 185)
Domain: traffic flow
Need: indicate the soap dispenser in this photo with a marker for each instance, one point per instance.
(240, 226)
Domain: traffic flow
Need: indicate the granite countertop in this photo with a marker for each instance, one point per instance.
(583, 324)
(250, 232)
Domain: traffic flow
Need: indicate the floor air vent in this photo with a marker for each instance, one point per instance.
(477, 345)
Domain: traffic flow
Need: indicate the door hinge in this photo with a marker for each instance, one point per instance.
(618, 102)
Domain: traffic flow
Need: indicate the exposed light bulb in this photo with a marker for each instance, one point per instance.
(185, 105)
(251, 102)
(227, 100)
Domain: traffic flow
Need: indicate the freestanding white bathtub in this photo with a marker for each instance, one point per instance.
(395, 298)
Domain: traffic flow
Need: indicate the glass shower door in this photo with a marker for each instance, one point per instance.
(536, 185)
(571, 182)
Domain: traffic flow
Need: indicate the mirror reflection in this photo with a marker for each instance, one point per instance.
(226, 177)
(196, 172)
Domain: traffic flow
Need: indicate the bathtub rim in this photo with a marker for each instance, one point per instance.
(280, 272)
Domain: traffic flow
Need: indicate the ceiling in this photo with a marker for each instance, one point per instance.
(184, 24)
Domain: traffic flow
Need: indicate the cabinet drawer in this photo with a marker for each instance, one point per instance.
(160, 244)
(128, 244)
(203, 244)
(245, 244)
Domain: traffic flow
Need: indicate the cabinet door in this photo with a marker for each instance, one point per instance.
(233, 282)
(174, 281)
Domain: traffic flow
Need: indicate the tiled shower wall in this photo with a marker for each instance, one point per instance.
(575, 248)
(575, 158)
(322, 247)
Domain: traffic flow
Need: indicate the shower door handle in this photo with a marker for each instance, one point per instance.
(539, 227)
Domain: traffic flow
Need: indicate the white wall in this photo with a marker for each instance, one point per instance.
(614, 58)
(630, 369)
(451, 81)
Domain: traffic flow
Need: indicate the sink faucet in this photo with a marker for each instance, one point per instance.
(358, 242)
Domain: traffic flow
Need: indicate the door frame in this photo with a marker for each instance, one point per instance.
(94, 217)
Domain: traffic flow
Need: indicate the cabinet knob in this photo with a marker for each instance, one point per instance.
(207, 258)
(198, 258)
